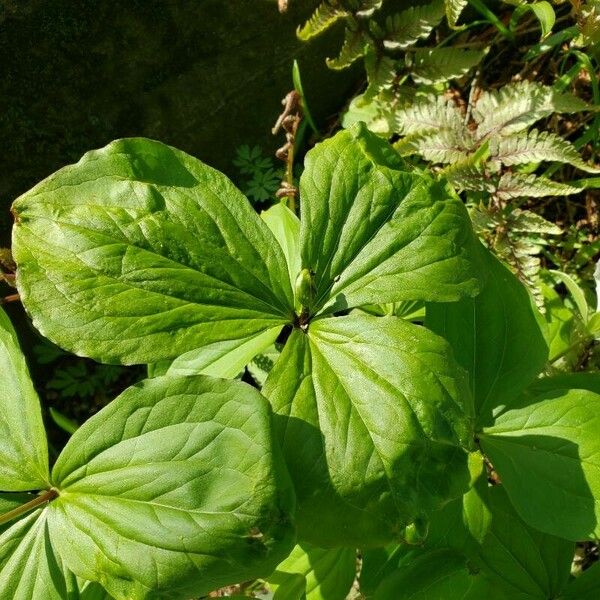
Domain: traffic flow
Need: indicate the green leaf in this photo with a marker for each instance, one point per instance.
(176, 488)
(140, 252)
(586, 586)
(548, 457)
(516, 106)
(441, 146)
(221, 359)
(490, 334)
(464, 522)
(545, 14)
(430, 113)
(24, 450)
(576, 293)
(519, 185)
(372, 232)
(336, 390)
(377, 564)
(353, 48)
(437, 65)
(285, 226)
(405, 28)
(325, 15)
(325, 574)
(523, 562)
(454, 9)
(381, 72)
(535, 146)
(29, 568)
(440, 574)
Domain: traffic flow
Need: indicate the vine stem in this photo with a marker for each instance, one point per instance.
(47, 496)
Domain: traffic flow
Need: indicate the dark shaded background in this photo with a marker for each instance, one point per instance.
(202, 75)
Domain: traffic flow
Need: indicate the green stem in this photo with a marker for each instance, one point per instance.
(47, 496)
(583, 342)
(482, 9)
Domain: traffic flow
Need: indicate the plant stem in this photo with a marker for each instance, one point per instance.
(482, 9)
(47, 496)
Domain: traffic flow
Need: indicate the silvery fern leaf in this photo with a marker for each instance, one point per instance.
(470, 174)
(535, 146)
(365, 8)
(519, 185)
(381, 72)
(438, 146)
(525, 221)
(407, 27)
(325, 15)
(516, 106)
(435, 65)
(353, 48)
(454, 9)
(426, 114)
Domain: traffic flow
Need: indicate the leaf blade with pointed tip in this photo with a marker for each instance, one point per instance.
(24, 449)
(28, 566)
(141, 252)
(490, 334)
(175, 487)
(373, 233)
(335, 392)
(547, 454)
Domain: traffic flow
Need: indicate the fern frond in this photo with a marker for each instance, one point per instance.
(470, 174)
(407, 27)
(353, 48)
(381, 73)
(454, 9)
(366, 8)
(516, 106)
(325, 15)
(518, 185)
(438, 146)
(435, 65)
(534, 146)
(426, 114)
(525, 221)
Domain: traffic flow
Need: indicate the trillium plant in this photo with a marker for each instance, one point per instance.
(429, 439)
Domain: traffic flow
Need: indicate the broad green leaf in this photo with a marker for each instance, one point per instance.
(24, 450)
(576, 293)
(548, 457)
(285, 226)
(525, 563)
(372, 232)
(490, 334)
(597, 280)
(140, 252)
(174, 489)
(564, 381)
(586, 586)
(29, 568)
(440, 574)
(464, 522)
(325, 574)
(222, 359)
(336, 390)
(377, 564)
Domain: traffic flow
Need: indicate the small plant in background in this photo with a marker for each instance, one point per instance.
(259, 179)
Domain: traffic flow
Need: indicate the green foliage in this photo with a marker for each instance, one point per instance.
(380, 40)
(388, 431)
(137, 479)
(259, 177)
